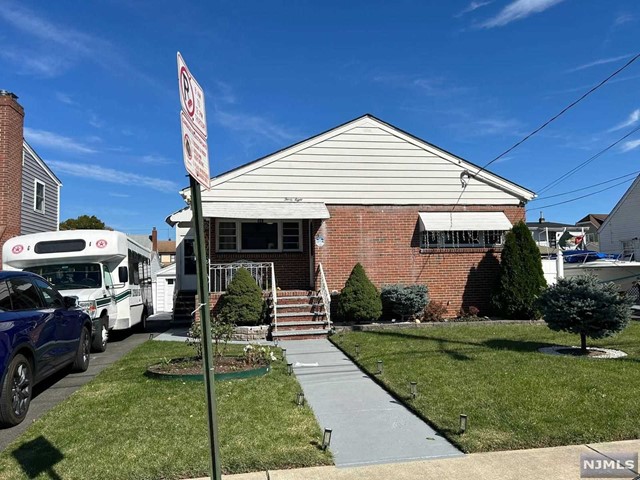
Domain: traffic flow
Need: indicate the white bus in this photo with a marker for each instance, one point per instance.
(107, 271)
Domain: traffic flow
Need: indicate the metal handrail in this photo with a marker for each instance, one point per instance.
(326, 296)
(274, 298)
(221, 274)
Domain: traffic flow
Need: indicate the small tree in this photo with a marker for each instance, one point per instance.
(359, 299)
(83, 222)
(242, 304)
(584, 306)
(405, 300)
(521, 278)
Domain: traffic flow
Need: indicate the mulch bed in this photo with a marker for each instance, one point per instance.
(193, 366)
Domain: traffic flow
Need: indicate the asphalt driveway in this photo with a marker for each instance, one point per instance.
(59, 386)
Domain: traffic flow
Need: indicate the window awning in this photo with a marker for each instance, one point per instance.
(266, 210)
(450, 221)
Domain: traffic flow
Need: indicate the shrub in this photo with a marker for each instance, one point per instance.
(242, 304)
(584, 306)
(521, 278)
(468, 315)
(359, 299)
(405, 301)
(221, 333)
(434, 312)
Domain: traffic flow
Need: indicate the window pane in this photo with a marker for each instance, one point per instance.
(52, 299)
(24, 295)
(189, 257)
(39, 197)
(259, 236)
(60, 246)
(291, 236)
(5, 301)
(227, 236)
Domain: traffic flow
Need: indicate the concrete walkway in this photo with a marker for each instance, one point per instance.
(369, 426)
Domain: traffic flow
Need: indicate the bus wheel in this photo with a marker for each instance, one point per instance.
(142, 326)
(101, 338)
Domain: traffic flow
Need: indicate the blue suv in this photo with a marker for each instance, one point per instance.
(41, 332)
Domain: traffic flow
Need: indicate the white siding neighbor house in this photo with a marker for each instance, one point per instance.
(620, 232)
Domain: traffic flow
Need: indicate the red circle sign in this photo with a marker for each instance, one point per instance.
(101, 243)
(17, 249)
(185, 90)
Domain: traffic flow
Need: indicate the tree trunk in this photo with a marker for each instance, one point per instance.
(583, 344)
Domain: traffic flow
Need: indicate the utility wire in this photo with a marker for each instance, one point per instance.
(585, 188)
(586, 162)
(565, 109)
(578, 198)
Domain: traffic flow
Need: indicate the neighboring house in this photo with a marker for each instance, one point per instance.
(591, 223)
(29, 190)
(365, 192)
(167, 252)
(620, 231)
(165, 285)
(549, 235)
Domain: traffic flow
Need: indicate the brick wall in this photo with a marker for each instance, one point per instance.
(385, 240)
(11, 137)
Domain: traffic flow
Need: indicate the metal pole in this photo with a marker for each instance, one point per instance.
(205, 322)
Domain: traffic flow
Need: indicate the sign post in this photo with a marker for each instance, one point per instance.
(196, 161)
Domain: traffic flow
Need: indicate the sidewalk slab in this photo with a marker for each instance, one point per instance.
(369, 426)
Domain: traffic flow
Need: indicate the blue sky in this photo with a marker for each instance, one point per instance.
(99, 85)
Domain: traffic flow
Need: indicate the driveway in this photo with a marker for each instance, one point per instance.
(59, 386)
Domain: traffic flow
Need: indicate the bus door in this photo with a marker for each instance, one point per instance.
(110, 293)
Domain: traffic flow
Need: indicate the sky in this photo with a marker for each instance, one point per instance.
(98, 81)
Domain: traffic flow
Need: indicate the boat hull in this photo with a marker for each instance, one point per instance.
(622, 273)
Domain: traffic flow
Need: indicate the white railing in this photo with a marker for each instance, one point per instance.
(274, 299)
(221, 274)
(324, 293)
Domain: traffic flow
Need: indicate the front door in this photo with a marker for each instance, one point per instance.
(189, 270)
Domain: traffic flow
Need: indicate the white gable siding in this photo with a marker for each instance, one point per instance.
(623, 223)
(363, 165)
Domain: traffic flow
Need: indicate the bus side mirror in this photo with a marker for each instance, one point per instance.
(123, 274)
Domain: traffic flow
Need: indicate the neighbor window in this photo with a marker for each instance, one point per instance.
(258, 236)
(38, 197)
(461, 239)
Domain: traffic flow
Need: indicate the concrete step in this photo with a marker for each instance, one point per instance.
(300, 308)
(298, 315)
(300, 334)
(301, 323)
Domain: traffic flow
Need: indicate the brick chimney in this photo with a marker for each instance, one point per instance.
(154, 239)
(11, 138)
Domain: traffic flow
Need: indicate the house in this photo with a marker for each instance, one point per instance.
(367, 192)
(620, 231)
(166, 248)
(29, 190)
(549, 235)
(591, 223)
(163, 293)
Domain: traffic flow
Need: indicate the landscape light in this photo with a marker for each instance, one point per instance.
(380, 367)
(300, 399)
(463, 423)
(289, 368)
(413, 387)
(326, 438)
(284, 353)
(275, 343)
(357, 351)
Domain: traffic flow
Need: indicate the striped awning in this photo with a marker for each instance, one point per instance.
(266, 210)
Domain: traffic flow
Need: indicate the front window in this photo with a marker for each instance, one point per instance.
(38, 197)
(462, 239)
(258, 236)
(189, 257)
(70, 277)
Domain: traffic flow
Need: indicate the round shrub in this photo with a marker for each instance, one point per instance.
(584, 306)
(242, 304)
(359, 299)
(404, 300)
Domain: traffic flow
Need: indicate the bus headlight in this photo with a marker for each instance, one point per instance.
(88, 307)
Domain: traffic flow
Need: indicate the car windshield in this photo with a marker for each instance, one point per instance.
(70, 277)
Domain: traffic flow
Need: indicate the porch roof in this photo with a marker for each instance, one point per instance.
(266, 210)
(450, 221)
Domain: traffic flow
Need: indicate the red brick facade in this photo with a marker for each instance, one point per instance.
(11, 138)
(385, 240)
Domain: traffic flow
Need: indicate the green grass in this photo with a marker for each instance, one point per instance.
(515, 397)
(123, 425)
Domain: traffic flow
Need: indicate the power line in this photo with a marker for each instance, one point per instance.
(565, 109)
(585, 188)
(578, 198)
(586, 162)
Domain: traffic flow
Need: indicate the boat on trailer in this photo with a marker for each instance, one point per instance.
(606, 267)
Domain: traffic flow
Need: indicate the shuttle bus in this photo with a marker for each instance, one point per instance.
(107, 271)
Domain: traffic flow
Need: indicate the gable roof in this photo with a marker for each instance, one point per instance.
(416, 150)
(622, 200)
(45, 167)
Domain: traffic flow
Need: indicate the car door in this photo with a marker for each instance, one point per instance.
(67, 321)
(36, 324)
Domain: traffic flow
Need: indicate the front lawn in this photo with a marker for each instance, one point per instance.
(514, 396)
(123, 425)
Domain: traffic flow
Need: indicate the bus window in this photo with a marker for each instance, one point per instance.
(108, 282)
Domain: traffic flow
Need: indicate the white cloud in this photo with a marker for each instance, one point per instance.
(29, 62)
(253, 124)
(155, 160)
(430, 86)
(518, 10)
(44, 138)
(65, 98)
(623, 18)
(473, 6)
(601, 61)
(110, 175)
(119, 195)
(630, 145)
(633, 118)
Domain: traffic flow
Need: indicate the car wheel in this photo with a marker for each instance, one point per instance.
(142, 326)
(81, 362)
(16, 391)
(101, 337)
